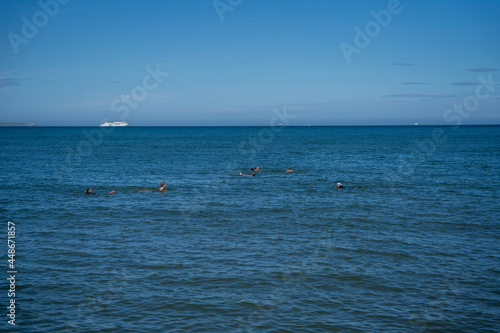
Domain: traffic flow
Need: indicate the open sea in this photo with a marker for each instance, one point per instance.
(410, 244)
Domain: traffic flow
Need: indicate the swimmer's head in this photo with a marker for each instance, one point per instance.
(253, 174)
(162, 184)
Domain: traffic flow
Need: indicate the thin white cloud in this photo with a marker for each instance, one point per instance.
(481, 70)
(8, 72)
(420, 95)
(10, 82)
(464, 83)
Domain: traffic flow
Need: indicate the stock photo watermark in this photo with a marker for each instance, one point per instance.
(30, 27)
(256, 143)
(373, 28)
(223, 6)
(455, 115)
(246, 149)
(139, 93)
(120, 106)
(11, 271)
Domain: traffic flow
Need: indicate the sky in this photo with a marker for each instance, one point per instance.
(242, 62)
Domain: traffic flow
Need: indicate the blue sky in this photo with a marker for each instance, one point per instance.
(230, 62)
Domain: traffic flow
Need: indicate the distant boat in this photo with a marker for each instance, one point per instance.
(114, 124)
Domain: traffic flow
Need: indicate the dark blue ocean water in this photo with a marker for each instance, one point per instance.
(411, 244)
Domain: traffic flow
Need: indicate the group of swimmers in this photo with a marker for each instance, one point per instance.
(159, 189)
(163, 184)
(89, 192)
(339, 184)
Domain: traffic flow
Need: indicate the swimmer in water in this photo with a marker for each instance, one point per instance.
(162, 187)
(289, 169)
(89, 191)
(256, 168)
(252, 175)
(339, 185)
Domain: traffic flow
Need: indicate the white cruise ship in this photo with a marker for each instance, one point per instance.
(114, 123)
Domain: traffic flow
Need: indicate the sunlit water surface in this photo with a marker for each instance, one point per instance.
(411, 244)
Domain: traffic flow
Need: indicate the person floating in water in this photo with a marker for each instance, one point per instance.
(252, 175)
(289, 169)
(256, 168)
(339, 185)
(162, 187)
(89, 192)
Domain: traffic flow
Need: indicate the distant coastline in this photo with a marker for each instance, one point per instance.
(16, 124)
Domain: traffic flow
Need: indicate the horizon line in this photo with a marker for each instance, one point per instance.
(306, 125)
